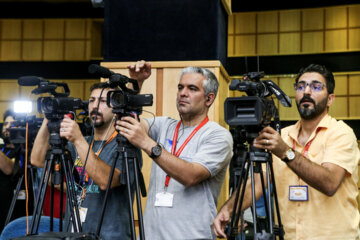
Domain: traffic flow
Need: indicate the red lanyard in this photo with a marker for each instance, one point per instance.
(178, 152)
(307, 146)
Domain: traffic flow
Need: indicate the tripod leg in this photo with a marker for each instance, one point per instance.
(74, 210)
(138, 200)
(40, 199)
(16, 194)
(281, 229)
(131, 209)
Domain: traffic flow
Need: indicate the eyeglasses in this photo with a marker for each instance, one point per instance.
(315, 86)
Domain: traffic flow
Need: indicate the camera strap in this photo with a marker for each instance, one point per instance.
(179, 151)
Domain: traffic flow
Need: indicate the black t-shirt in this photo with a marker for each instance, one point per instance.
(8, 185)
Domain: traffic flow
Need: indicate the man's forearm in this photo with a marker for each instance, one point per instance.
(40, 146)
(325, 178)
(6, 164)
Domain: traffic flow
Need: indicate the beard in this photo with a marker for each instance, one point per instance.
(307, 113)
(98, 123)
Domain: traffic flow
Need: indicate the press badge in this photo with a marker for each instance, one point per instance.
(164, 199)
(298, 193)
(82, 212)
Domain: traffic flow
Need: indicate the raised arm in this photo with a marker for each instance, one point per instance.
(41, 145)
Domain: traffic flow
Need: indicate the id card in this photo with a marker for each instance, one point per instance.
(83, 213)
(298, 193)
(164, 199)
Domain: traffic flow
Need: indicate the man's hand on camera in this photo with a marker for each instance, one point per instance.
(271, 140)
(131, 128)
(70, 130)
(140, 70)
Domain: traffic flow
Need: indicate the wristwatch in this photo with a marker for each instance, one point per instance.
(156, 151)
(289, 155)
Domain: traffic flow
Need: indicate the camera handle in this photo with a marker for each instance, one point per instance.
(128, 151)
(253, 163)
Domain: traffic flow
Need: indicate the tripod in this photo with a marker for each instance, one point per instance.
(129, 154)
(31, 178)
(57, 164)
(251, 161)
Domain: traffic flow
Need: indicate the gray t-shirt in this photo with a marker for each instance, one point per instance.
(194, 208)
(116, 222)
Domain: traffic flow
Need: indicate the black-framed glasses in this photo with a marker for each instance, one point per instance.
(315, 86)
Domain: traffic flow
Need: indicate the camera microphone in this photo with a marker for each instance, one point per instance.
(100, 71)
(30, 81)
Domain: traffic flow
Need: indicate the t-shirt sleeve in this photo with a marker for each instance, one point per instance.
(156, 125)
(342, 149)
(215, 151)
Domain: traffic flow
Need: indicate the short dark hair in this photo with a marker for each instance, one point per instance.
(99, 85)
(7, 113)
(322, 70)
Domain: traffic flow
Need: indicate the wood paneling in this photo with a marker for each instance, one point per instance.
(50, 39)
(300, 31)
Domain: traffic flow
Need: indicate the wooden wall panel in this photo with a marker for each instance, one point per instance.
(50, 39)
(335, 40)
(289, 20)
(75, 29)
(267, 44)
(8, 90)
(354, 39)
(341, 85)
(267, 22)
(32, 50)
(33, 29)
(245, 45)
(313, 19)
(53, 50)
(354, 84)
(300, 31)
(354, 16)
(354, 107)
(245, 22)
(339, 108)
(54, 29)
(335, 17)
(10, 50)
(289, 43)
(312, 42)
(74, 50)
(11, 29)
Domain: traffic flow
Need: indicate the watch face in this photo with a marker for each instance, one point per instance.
(156, 151)
(290, 154)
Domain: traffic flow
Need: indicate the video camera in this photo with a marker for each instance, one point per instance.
(18, 129)
(123, 101)
(255, 111)
(54, 107)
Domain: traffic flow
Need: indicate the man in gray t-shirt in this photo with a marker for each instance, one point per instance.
(190, 158)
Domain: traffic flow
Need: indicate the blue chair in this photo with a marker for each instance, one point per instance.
(17, 227)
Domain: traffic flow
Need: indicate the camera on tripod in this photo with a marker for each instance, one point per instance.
(247, 116)
(256, 110)
(53, 107)
(124, 101)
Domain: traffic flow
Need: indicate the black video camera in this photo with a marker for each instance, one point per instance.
(18, 129)
(54, 107)
(123, 101)
(257, 110)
